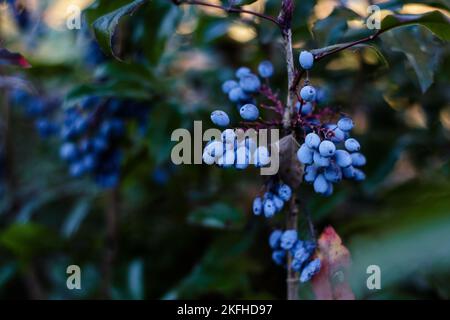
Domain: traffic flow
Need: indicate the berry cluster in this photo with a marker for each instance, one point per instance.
(325, 163)
(91, 135)
(39, 109)
(272, 202)
(301, 251)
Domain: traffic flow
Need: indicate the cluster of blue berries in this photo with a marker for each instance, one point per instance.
(301, 251)
(242, 92)
(91, 135)
(272, 202)
(38, 109)
(325, 163)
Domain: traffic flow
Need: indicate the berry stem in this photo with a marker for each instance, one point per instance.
(229, 9)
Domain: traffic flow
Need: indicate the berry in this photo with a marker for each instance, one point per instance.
(207, 158)
(220, 118)
(345, 124)
(237, 94)
(343, 158)
(68, 151)
(265, 69)
(333, 173)
(242, 158)
(278, 202)
(285, 192)
(308, 93)
(327, 148)
(306, 60)
(352, 145)
(279, 256)
(359, 175)
(320, 184)
(310, 270)
(305, 154)
(305, 108)
(288, 239)
(228, 136)
(261, 156)
(269, 208)
(228, 85)
(348, 172)
(310, 173)
(242, 71)
(250, 83)
(275, 238)
(320, 161)
(249, 112)
(312, 140)
(338, 135)
(358, 159)
(257, 206)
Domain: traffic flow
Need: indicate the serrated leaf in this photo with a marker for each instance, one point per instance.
(105, 27)
(435, 21)
(291, 171)
(332, 282)
(14, 59)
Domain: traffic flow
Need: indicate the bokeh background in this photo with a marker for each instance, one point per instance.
(187, 231)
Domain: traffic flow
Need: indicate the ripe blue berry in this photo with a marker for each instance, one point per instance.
(310, 173)
(278, 202)
(304, 109)
(327, 148)
(305, 154)
(261, 157)
(333, 173)
(279, 256)
(220, 118)
(352, 145)
(320, 161)
(345, 124)
(288, 239)
(269, 208)
(320, 184)
(348, 172)
(306, 60)
(312, 140)
(284, 191)
(310, 270)
(242, 71)
(250, 83)
(265, 69)
(308, 93)
(242, 158)
(68, 151)
(359, 175)
(249, 112)
(343, 158)
(237, 94)
(208, 158)
(275, 238)
(228, 85)
(358, 159)
(257, 206)
(229, 136)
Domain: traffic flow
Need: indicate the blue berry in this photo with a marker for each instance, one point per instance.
(284, 191)
(288, 239)
(275, 239)
(358, 159)
(359, 175)
(261, 157)
(320, 161)
(228, 85)
(310, 270)
(265, 69)
(279, 257)
(242, 158)
(237, 94)
(352, 145)
(348, 172)
(250, 83)
(220, 118)
(308, 93)
(343, 158)
(338, 135)
(257, 206)
(327, 148)
(249, 112)
(333, 173)
(278, 202)
(310, 173)
(76, 169)
(345, 124)
(269, 208)
(304, 109)
(68, 151)
(305, 154)
(320, 184)
(312, 140)
(306, 60)
(242, 71)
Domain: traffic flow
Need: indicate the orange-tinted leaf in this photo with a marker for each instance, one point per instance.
(10, 58)
(331, 283)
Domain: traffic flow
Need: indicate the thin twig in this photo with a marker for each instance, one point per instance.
(227, 9)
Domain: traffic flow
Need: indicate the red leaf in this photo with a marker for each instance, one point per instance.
(10, 58)
(331, 283)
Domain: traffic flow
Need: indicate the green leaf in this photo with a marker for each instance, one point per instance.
(420, 49)
(332, 28)
(435, 21)
(218, 215)
(105, 27)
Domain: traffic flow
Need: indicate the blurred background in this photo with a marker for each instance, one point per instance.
(144, 228)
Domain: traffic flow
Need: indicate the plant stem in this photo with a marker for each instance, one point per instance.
(110, 247)
(229, 9)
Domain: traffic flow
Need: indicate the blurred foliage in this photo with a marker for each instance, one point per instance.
(187, 231)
